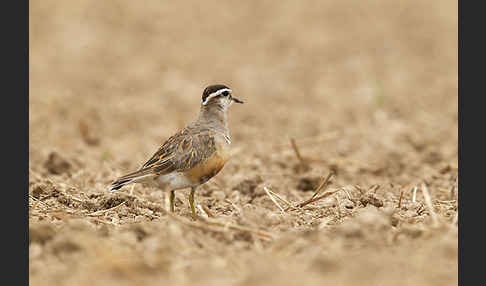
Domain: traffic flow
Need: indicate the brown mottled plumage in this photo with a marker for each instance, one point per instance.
(193, 155)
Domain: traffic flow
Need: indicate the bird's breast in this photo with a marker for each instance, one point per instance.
(211, 166)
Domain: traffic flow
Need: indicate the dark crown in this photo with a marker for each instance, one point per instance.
(211, 89)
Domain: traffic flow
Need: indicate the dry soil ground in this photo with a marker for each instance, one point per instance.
(368, 90)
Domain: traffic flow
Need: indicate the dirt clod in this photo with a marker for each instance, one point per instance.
(248, 186)
(41, 232)
(372, 199)
(56, 164)
(87, 134)
(308, 184)
(37, 191)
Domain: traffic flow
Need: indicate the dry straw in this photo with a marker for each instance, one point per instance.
(213, 225)
(273, 199)
(101, 212)
(428, 203)
(322, 186)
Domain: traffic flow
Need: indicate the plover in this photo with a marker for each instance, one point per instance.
(193, 155)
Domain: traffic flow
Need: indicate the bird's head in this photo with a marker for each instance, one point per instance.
(218, 96)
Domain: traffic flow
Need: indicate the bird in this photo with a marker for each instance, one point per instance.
(193, 155)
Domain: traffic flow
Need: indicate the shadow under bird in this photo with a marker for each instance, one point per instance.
(193, 155)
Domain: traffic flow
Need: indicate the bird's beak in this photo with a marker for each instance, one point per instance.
(237, 100)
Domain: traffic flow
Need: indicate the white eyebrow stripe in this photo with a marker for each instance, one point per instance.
(216, 93)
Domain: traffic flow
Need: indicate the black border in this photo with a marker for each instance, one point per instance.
(15, 115)
(470, 120)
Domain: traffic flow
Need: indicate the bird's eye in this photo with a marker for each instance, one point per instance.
(225, 93)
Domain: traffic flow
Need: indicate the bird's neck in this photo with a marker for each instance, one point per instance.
(215, 117)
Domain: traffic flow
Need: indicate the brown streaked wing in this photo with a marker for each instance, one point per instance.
(165, 151)
(182, 152)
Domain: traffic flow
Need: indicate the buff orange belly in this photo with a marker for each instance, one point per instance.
(208, 169)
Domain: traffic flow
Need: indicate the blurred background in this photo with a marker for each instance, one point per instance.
(135, 72)
(366, 88)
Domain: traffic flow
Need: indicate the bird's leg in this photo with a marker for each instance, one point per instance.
(171, 200)
(191, 202)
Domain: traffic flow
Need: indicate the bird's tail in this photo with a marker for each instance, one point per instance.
(128, 179)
